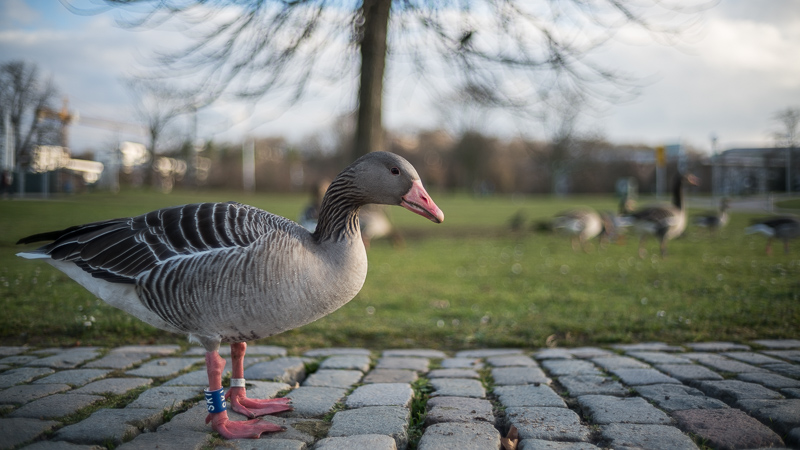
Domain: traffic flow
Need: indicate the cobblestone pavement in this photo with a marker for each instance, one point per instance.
(650, 395)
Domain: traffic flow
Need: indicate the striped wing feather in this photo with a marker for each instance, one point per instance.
(663, 217)
(119, 250)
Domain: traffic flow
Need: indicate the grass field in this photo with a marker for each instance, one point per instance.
(469, 282)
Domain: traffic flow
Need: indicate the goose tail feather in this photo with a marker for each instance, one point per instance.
(33, 255)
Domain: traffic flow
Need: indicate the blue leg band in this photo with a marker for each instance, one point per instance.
(215, 400)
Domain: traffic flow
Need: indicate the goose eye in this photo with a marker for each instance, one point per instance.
(395, 171)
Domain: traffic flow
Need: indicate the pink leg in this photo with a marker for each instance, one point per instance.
(248, 429)
(238, 397)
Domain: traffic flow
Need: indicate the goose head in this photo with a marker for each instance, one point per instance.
(388, 179)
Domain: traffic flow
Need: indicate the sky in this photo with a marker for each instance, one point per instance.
(728, 80)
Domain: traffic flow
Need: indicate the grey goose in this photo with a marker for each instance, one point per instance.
(581, 224)
(665, 222)
(228, 272)
(777, 227)
(714, 220)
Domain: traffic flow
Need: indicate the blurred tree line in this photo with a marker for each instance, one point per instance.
(471, 162)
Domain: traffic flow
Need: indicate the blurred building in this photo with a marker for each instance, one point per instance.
(748, 171)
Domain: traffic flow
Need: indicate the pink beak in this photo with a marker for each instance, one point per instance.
(418, 201)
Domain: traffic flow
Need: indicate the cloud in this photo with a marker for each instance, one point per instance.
(17, 12)
(730, 81)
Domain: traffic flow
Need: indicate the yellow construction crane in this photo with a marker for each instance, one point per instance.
(66, 118)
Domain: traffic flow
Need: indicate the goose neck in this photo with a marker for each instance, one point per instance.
(677, 194)
(338, 215)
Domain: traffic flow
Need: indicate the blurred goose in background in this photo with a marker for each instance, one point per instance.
(227, 272)
(777, 227)
(581, 224)
(714, 220)
(615, 225)
(375, 224)
(665, 222)
(310, 214)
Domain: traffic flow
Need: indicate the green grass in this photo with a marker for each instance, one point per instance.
(469, 282)
(791, 204)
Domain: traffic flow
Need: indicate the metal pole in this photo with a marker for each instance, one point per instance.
(249, 165)
(714, 168)
(789, 169)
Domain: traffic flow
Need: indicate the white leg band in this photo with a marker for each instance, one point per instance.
(237, 382)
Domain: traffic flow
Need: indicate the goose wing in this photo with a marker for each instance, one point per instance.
(119, 250)
(661, 216)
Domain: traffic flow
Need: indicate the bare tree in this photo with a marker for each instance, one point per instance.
(561, 124)
(23, 94)
(156, 108)
(513, 52)
(787, 136)
(788, 121)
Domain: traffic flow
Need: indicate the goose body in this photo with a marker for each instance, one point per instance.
(581, 224)
(665, 222)
(208, 288)
(227, 272)
(714, 220)
(784, 228)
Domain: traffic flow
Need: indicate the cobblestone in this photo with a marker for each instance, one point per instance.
(391, 376)
(688, 372)
(386, 420)
(67, 359)
(56, 406)
(22, 375)
(462, 363)
(164, 367)
(453, 373)
(560, 367)
(529, 395)
(28, 392)
(354, 362)
(116, 386)
(18, 431)
(334, 378)
(727, 428)
(552, 424)
(647, 395)
(504, 376)
(638, 377)
(458, 387)
(676, 397)
(733, 391)
(652, 437)
(605, 409)
(315, 402)
(463, 436)
(401, 362)
(381, 394)
(286, 369)
(75, 377)
(459, 409)
(119, 360)
(578, 385)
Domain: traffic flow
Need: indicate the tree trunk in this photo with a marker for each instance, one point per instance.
(369, 127)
